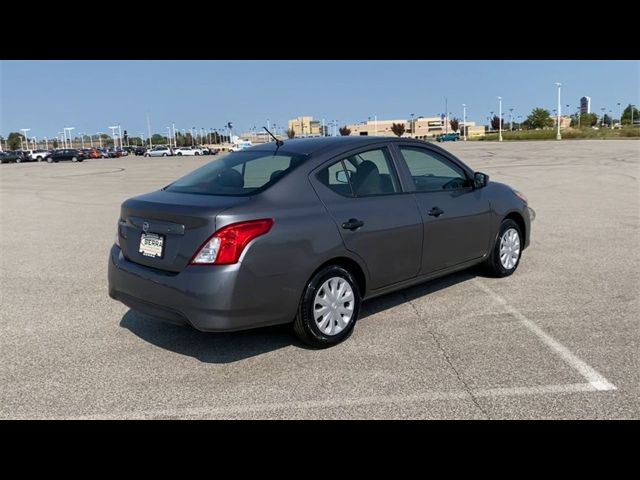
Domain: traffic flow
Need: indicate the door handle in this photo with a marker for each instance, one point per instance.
(435, 212)
(352, 224)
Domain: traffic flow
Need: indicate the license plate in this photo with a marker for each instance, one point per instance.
(151, 245)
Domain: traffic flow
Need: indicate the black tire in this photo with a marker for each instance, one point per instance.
(74, 159)
(196, 154)
(492, 266)
(164, 154)
(179, 154)
(49, 160)
(39, 159)
(18, 160)
(305, 326)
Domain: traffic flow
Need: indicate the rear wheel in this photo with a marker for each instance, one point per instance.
(74, 159)
(179, 154)
(507, 251)
(329, 308)
(18, 160)
(164, 154)
(49, 159)
(39, 159)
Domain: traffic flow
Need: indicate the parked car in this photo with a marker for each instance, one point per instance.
(159, 151)
(187, 151)
(36, 155)
(302, 231)
(240, 145)
(72, 154)
(140, 150)
(448, 137)
(22, 156)
(95, 153)
(10, 156)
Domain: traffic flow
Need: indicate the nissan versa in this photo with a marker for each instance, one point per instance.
(302, 231)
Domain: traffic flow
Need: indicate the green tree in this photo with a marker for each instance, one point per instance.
(588, 120)
(454, 123)
(291, 133)
(14, 141)
(55, 143)
(626, 115)
(539, 118)
(495, 123)
(607, 120)
(156, 139)
(398, 129)
(344, 131)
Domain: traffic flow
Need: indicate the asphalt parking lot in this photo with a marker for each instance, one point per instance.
(558, 339)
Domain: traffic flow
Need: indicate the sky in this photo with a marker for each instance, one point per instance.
(46, 96)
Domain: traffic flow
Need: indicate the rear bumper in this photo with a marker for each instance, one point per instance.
(209, 298)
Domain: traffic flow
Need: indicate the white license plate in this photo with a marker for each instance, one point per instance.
(151, 245)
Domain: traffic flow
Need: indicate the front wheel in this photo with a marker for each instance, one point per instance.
(329, 308)
(74, 159)
(179, 154)
(49, 160)
(18, 160)
(39, 159)
(507, 251)
(164, 154)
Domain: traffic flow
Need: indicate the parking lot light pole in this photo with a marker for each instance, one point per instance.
(120, 136)
(619, 115)
(169, 137)
(82, 140)
(100, 138)
(602, 119)
(558, 136)
(511, 119)
(26, 142)
(46, 143)
(500, 119)
(69, 137)
(464, 121)
(113, 134)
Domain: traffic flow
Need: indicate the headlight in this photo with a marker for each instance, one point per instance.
(521, 196)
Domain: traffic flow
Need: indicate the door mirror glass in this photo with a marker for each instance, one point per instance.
(343, 176)
(480, 180)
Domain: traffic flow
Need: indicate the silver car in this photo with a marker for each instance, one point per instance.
(303, 231)
(159, 151)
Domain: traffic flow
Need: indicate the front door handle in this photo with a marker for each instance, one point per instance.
(435, 212)
(352, 224)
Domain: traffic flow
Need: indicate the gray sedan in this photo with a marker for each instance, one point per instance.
(303, 231)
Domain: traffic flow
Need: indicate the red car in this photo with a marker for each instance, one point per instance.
(94, 153)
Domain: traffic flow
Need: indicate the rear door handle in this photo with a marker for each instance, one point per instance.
(435, 212)
(352, 224)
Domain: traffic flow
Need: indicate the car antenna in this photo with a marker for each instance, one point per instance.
(279, 143)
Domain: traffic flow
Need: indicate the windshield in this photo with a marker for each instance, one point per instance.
(240, 173)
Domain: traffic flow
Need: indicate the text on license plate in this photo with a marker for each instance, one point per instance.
(151, 245)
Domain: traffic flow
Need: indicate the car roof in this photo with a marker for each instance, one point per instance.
(316, 145)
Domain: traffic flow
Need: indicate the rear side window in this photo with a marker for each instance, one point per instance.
(240, 173)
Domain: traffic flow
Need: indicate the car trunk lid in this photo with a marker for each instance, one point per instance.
(180, 221)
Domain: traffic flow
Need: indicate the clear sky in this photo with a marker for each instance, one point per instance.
(46, 96)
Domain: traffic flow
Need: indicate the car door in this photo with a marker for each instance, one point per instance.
(456, 216)
(376, 219)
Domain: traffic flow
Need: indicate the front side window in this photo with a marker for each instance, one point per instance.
(240, 173)
(432, 172)
(362, 174)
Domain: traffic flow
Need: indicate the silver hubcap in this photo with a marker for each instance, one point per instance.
(509, 248)
(333, 306)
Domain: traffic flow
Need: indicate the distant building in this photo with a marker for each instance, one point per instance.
(585, 105)
(565, 122)
(305, 127)
(422, 127)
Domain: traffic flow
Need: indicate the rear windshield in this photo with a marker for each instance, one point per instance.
(239, 173)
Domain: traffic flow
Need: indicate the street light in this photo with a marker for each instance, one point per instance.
(511, 119)
(100, 138)
(619, 115)
(24, 131)
(602, 119)
(169, 137)
(558, 136)
(464, 121)
(82, 139)
(46, 143)
(113, 134)
(500, 119)
(413, 126)
(69, 137)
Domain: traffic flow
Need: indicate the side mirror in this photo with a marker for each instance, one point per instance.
(343, 176)
(480, 180)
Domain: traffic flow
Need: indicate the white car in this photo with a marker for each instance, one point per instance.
(159, 151)
(188, 151)
(241, 145)
(37, 155)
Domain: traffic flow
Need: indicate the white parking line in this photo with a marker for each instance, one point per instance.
(237, 410)
(595, 379)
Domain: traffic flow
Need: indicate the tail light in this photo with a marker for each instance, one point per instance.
(226, 245)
